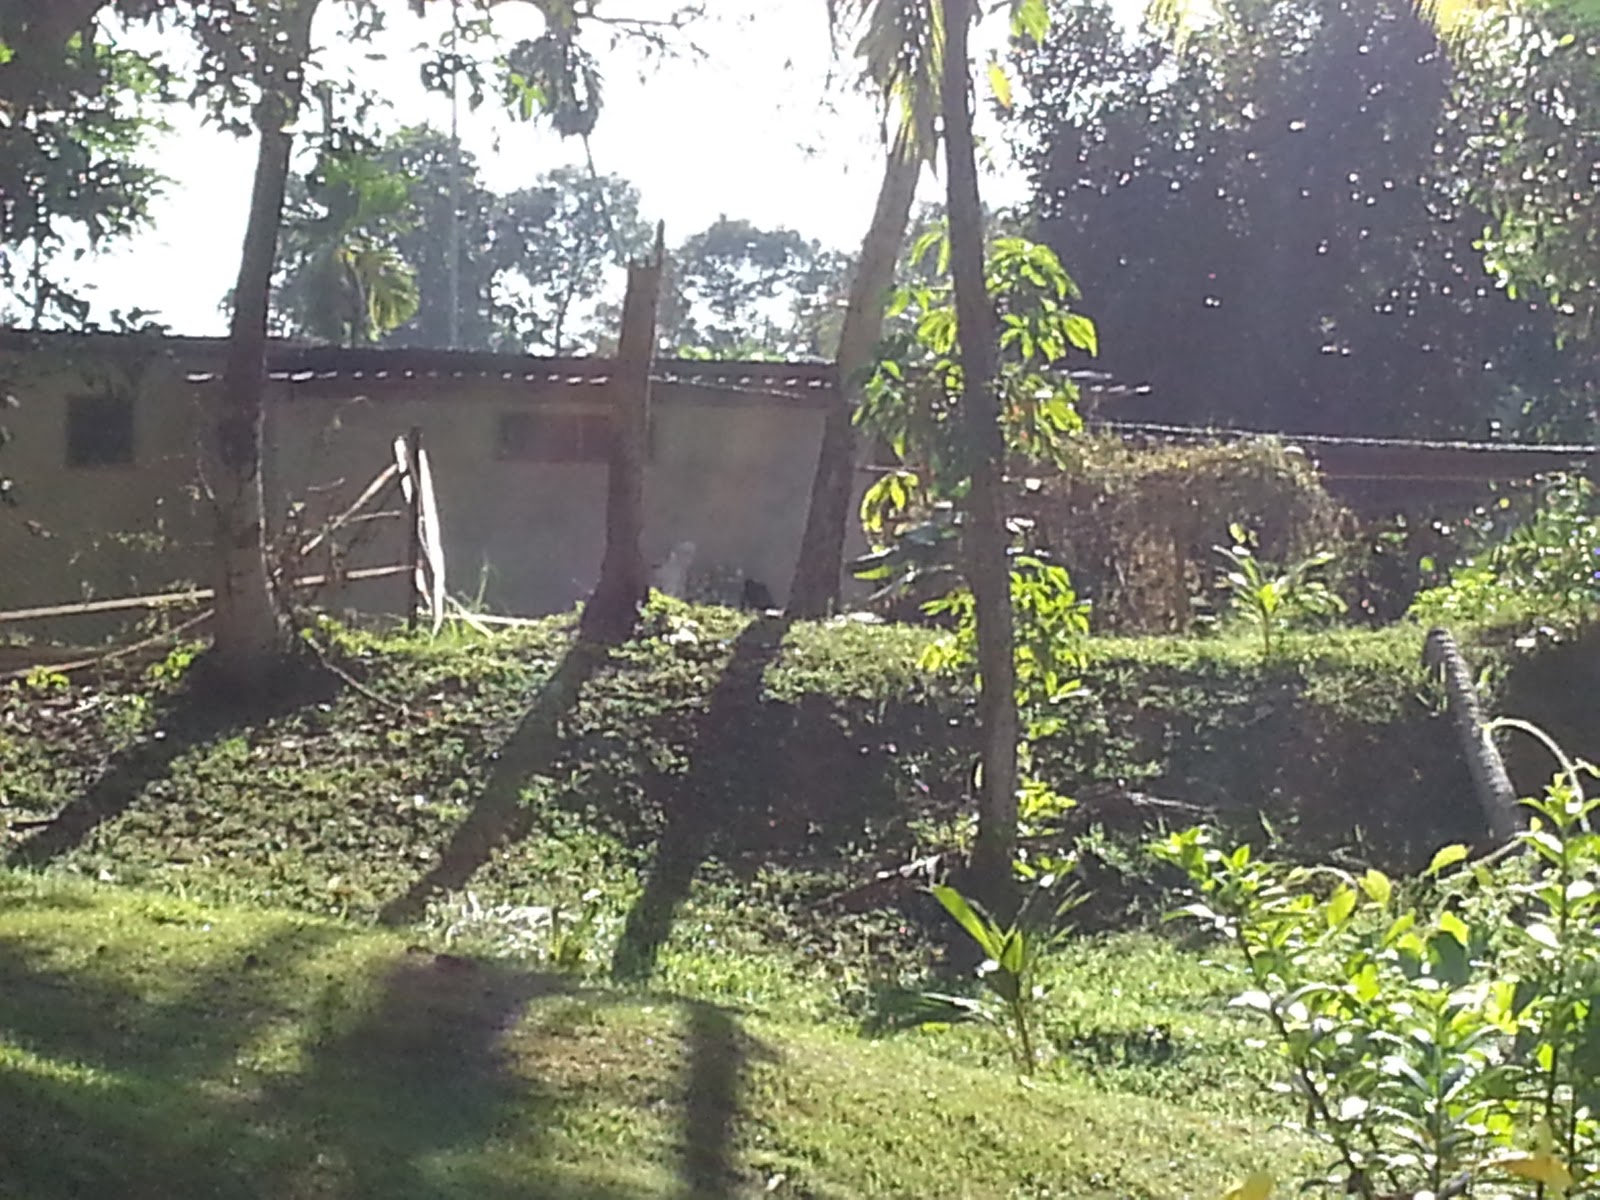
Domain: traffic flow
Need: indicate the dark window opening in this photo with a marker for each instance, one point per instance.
(99, 431)
(554, 437)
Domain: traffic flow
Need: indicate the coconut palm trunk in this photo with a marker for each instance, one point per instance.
(815, 590)
(988, 567)
(249, 629)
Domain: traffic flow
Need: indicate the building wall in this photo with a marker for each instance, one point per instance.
(731, 473)
(87, 532)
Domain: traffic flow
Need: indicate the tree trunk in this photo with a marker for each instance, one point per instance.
(815, 590)
(249, 628)
(1496, 796)
(988, 568)
(613, 610)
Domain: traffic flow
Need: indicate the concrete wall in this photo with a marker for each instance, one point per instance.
(94, 531)
(730, 472)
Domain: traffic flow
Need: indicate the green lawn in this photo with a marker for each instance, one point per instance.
(154, 1047)
(195, 1001)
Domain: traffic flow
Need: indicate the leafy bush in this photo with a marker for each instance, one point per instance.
(1137, 527)
(1547, 571)
(1439, 1044)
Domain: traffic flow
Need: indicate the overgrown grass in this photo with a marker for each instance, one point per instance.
(745, 778)
(153, 1047)
(706, 811)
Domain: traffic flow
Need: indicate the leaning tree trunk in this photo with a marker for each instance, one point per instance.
(988, 568)
(249, 630)
(815, 590)
(1496, 796)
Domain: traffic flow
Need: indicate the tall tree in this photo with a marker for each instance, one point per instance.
(922, 47)
(742, 291)
(1275, 222)
(249, 632)
(899, 57)
(451, 212)
(76, 118)
(554, 247)
(988, 570)
(1528, 92)
(814, 592)
(343, 278)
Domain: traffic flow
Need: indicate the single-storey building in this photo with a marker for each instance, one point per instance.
(107, 465)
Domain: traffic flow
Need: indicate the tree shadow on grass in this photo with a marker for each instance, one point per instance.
(712, 1104)
(498, 815)
(433, 1068)
(702, 800)
(120, 1086)
(423, 1072)
(422, 1090)
(199, 714)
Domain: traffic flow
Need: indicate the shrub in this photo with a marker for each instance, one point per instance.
(1547, 571)
(1137, 527)
(1439, 1044)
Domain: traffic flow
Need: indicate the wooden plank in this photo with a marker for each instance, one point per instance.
(168, 599)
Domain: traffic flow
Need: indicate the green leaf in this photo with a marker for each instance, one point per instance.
(1377, 887)
(1013, 952)
(5, 54)
(1340, 905)
(1447, 857)
(1455, 927)
(1400, 928)
(1030, 18)
(1081, 332)
(980, 931)
(1000, 84)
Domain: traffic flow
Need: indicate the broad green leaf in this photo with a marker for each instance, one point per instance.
(1013, 951)
(1340, 905)
(1081, 333)
(1455, 927)
(1377, 887)
(1400, 928)
(980, 931)
(1447, 857)
(5, 54)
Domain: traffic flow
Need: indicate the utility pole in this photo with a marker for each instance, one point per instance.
(453, 263)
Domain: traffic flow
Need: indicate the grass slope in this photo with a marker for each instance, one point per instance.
(791, 759)
(155, 1047)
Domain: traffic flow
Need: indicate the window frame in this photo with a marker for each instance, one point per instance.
(85, 437)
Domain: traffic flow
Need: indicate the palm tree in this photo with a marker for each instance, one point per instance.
(899, 61)
(916, 52)
(815, 590)
(345, 281)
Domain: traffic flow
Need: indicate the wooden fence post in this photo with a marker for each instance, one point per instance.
(414, 577)
(613, 609)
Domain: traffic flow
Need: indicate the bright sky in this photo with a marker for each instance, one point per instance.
(762, 128)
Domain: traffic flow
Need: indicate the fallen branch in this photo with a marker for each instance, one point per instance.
(80, 664)
(173, 599)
